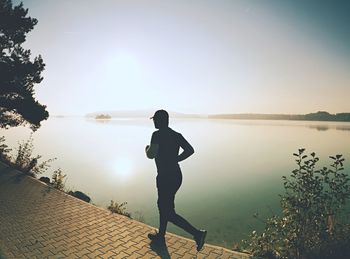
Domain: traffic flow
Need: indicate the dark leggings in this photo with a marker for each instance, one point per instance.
(167, 188)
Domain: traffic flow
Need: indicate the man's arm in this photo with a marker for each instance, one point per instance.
(187, 149)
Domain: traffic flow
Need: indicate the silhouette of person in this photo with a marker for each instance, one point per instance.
(164, 147)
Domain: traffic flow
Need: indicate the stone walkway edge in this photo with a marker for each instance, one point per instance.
(38, 221)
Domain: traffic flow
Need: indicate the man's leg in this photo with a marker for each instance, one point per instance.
(173, 217)
(163, 222)
(166, 206)
(179, 221)
(176, 219)
(159, 237)
(163, 207)
(166, 187)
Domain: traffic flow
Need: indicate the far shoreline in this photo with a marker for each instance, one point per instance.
(320, 116)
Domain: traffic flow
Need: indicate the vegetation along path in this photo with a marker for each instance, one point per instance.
(38, 221)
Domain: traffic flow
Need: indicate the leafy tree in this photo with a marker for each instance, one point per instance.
(18, 74)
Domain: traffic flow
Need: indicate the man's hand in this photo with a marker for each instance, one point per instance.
(152, 151)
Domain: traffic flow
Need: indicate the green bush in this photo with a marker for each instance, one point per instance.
(4, 150)
(114, 207)
(57, 179)
(314, 221)
(26, 162)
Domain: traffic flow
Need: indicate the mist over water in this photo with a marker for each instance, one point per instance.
(236, 169)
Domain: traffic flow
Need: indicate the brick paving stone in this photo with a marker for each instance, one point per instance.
(122, 255)
(143, 250)
(134, 256)
(34, 254)
(126, 239)
(116, 244)
(57, 256)
(201, 256)
(131, 250)
(181, 251)
(119, 249)
(176, 245)
(94, 247)
(95, 254)
(45, 253)
(110, 254)
(207, 250)
(103, 237)
(138, 239)
(38, 221)
(130, 243)
(106, 248)
(141, 244)
(171, 240)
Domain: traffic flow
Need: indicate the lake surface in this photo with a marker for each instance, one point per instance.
(235, 172)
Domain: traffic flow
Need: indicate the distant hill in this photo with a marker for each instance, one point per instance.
(318, 116)
(141, 114)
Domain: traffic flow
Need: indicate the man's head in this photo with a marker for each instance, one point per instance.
(160, 119)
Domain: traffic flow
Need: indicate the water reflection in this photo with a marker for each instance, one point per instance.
(317, 125)
(330, 127)
(122, 167)
(122, 121)
(343, 128)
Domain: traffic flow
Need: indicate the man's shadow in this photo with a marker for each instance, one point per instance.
(160, 249)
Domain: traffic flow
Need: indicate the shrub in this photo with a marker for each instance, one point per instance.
(314, 222)
(114, 207)
(26, 162)
(4, 150)
(57, 179)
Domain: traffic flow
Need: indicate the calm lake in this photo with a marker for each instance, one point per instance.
(235, 172)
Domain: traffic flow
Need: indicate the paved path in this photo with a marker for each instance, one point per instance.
(37, 221)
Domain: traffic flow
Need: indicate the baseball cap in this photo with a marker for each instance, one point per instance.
(160, 114)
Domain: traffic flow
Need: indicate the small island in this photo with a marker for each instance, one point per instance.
(103, 117)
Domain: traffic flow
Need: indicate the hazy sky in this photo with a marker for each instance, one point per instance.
(193, 56)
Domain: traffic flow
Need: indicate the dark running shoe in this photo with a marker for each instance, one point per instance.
(157, 238)
(200, 239)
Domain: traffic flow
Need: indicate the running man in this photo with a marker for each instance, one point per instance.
(165, 146)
